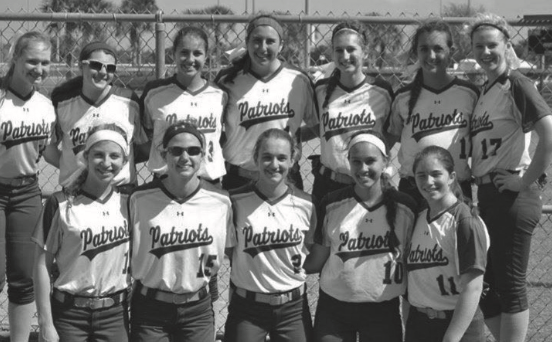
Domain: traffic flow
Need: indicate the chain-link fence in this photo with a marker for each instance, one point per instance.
(143, 43)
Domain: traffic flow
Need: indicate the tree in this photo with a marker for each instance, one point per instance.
(461, 39)
(295, 38)
(384, 42)
(67, 34)
(135, 29)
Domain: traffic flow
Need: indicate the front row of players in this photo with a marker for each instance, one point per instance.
(170, 236)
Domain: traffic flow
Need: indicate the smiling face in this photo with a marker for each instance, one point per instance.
(183, 165)
(32, 66)
(189, 55)
(274, 159)
(105, 160)
(98, 80)
(489, 49)
(433, 52)
(347, 53)
(367, 164)
(433, 180)
(263, 46)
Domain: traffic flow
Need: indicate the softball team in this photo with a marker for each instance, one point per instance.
(359, 249)
(186, 96)
(446, 258)
(508, 111)
(349, 101)
(267, 249)
(263, 92)
(178, 227)
(89, 299)
(26, 126)
(435, 109)
(89, 100)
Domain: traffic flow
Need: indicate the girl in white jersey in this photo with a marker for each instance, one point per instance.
(359, 248)
(186, 96)
(178, 226)
(434, 109)
(84, 230)
(267, 249)
(263, 92)
(507, 112)
(26, 125)
(446, 257)
(349, 101)
(90, 100)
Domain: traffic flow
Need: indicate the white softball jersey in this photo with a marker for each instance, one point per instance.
(442, 249)
(441, 118)
(178, 244)
(269, 239)
(502, 122)
(26, 127)
(166, 101)
(89, 239)
(366, 106)
(284, 101)
(76, 115)
(361, 266)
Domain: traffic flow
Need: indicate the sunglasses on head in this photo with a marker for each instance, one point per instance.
(177, 151)
(97, 66)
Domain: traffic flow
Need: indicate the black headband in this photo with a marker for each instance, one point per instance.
(181, 127)
(501, 29)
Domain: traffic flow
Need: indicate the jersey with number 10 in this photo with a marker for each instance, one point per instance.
(166, 101)
(440, 117)
(502, 122)
(361, 266)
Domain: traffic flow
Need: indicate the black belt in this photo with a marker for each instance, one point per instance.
(18, 181)
(171, 297)
(488, 178)
(279, 298)
(436, 314)
(93, 303)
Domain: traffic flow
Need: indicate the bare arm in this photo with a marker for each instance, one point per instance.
(466, 306)
(52, 155)
(42, 269)
(316, 259)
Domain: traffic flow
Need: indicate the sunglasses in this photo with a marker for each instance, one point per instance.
(177, 151)
(97, 66)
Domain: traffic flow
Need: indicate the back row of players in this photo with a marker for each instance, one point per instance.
(363, 231)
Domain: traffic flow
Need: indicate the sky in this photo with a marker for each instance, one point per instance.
(508, 8)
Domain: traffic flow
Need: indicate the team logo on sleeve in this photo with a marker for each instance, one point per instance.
(251, 115)
(343, 123)
(178, 240)
(480, 124)
(422, 127)
(256, 243)
(354, 247)
(14, 134)
(421, 258)
(203, 123)
(94, 244)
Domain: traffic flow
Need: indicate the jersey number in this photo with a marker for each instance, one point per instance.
(463, 148)
(210, 152)
(397, 277)
(296, 262)
(486, 146)
(125, 266)
(205, 270)
(441, 282)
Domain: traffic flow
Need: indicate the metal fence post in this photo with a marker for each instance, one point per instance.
(159, 45)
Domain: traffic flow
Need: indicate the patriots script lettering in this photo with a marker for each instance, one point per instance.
(275, 237)
(363, 243)
(105, 237)
(428, 255)
(260, 110)
(456, 119)
(174, 237)
(13, 131)
(203, 123)
(478, 124)
(339, 124)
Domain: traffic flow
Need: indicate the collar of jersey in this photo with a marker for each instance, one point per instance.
(247, 69)
(102, 101)
(274, 201)
(181, 86)
(361, 202)
(96, 199)
(448, 210)
(350, 90)
(24, 98)
(176, 199)
(442, 90)
(500, 79)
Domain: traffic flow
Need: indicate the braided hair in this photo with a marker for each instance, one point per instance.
(342, 28)
(425, 27)
(389, 195)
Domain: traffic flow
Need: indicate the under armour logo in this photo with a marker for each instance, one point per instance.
(193, 104)
(265, 90)
(437, 102)
(96, 115)
(25, 109)
(368, 220)
(179, 213)
(346, 101)
(271, 214)
(105, 213)
(426, 232)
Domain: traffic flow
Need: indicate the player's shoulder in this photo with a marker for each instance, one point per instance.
(155, 85)
(296, 192)
(146, 188)
(519, 80)
(56, 199)
(338, 196)
(67, 90)
(292, 69)
(125, 93)
(403, 199)
(467, 85)
(404, 91)
(214, 190)
(244, 190)
(379, 82)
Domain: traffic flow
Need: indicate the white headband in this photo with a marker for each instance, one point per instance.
(109, 135)
(369, 138)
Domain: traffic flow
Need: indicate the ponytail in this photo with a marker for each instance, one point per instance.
(415, 90)
(332, 83)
